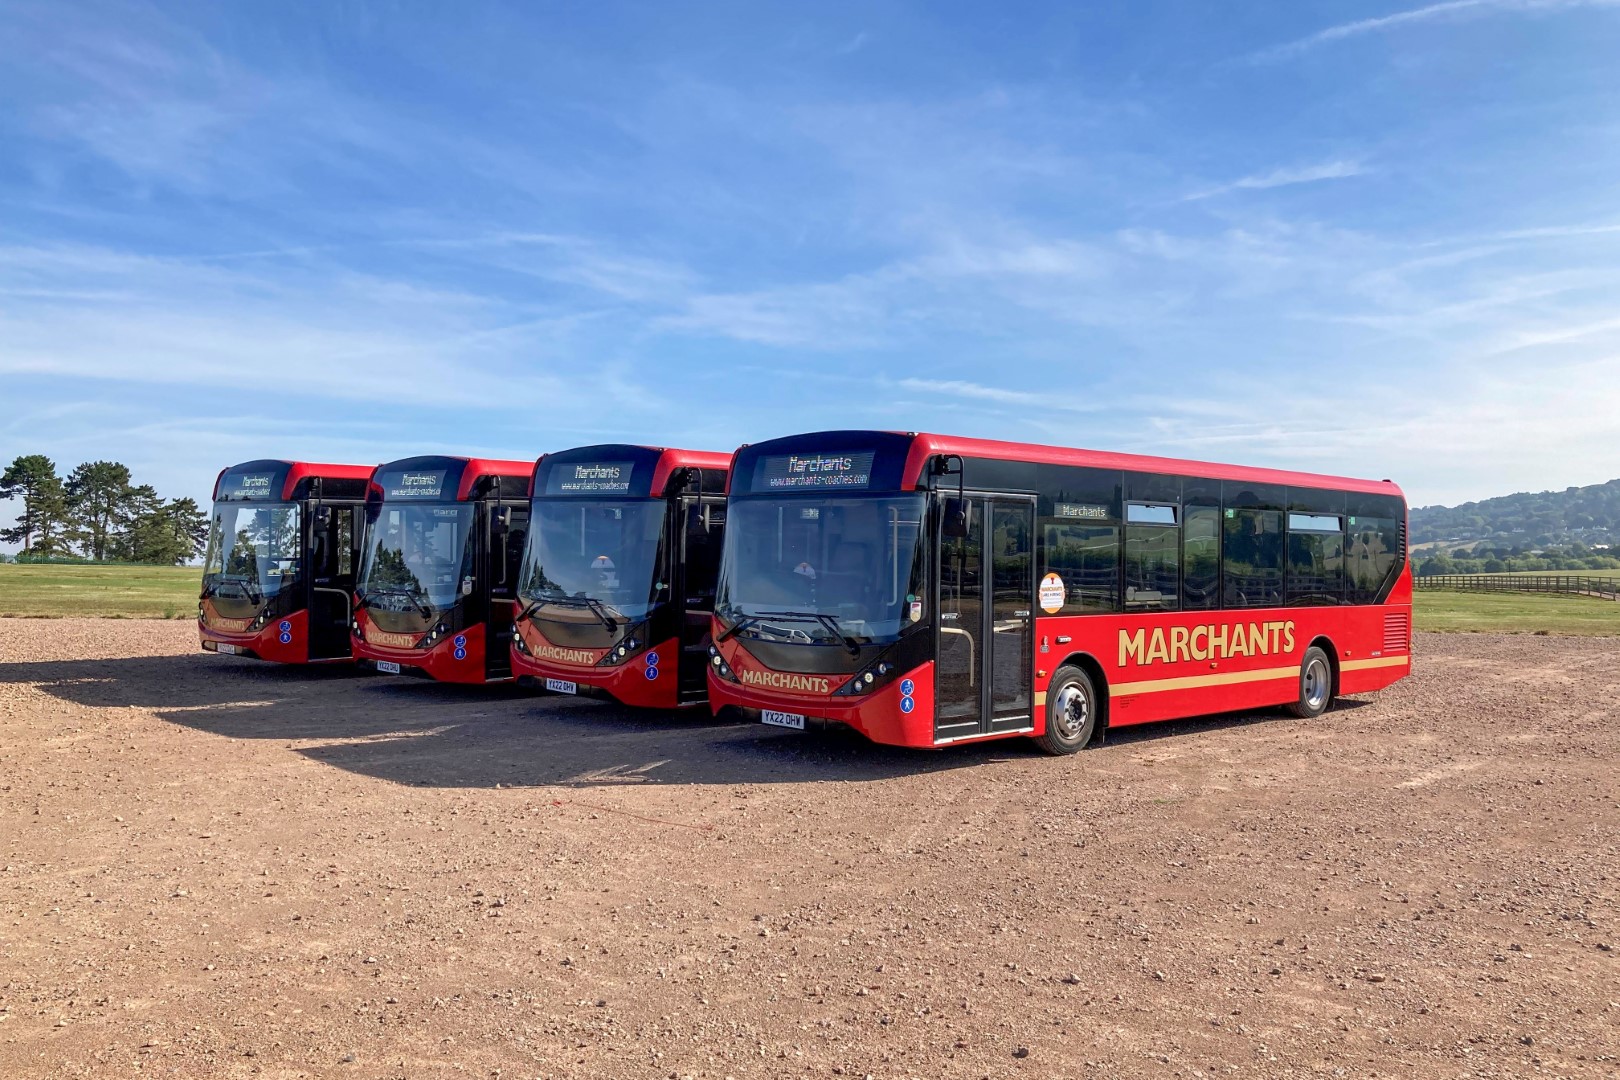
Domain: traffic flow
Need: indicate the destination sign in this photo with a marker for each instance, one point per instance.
(1082, 511)
(814, 472)
(414, 484)
(254, 485)
(589, 478)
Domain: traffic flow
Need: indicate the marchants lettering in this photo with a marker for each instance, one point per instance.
(565, 656)
(1208, 641)
(776, 680)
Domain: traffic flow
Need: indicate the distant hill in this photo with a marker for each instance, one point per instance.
(1572, 529)
(1584, 514)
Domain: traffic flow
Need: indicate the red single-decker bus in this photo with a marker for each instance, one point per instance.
(283, 545)
(438, 585)
(618, 579)
(929, 590)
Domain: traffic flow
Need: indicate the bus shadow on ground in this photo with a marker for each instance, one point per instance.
(1138, 734)
(423, 733)
(427, 734)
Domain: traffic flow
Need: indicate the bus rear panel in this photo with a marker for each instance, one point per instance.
(926, 590)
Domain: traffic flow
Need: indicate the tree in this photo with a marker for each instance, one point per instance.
(153, 531)
(96, 495)
(33, 478)
(189, 524)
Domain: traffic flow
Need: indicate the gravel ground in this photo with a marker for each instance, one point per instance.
(215, 867)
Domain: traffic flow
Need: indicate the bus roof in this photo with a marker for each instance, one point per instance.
(471, 469)
(666, 461)
(924, 446)
(297, 471)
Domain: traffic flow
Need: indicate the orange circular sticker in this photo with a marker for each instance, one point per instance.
(1052, 594)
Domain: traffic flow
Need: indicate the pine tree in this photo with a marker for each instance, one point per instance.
(96, 495)
(33, 478)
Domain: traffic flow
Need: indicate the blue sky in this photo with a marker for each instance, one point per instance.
(1352, 237)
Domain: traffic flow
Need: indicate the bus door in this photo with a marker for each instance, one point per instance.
(508, 525)
(985, 631)
(333, 561)
(702, 523)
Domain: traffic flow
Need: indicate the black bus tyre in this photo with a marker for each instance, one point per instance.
(1315, 685)
(1071, 712)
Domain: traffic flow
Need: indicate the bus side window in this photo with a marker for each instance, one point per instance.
(1152, 578)
(1086, 556)
(1315, 559)
(1201, 558)
(1253, 565)
(1374, 557)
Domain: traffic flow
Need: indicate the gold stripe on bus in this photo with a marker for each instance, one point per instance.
(1229, 678)
(1375, 662)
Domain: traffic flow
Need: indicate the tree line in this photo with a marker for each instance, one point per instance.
(98, 513)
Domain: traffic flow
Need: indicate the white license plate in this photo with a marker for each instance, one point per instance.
(562, 686)
(225, 648)
(388, 666)
(783, 719)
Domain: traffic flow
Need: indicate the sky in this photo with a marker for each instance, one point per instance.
(1370, 239)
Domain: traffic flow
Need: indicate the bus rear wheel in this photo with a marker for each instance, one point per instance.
(1071, 712)
(1315, 685)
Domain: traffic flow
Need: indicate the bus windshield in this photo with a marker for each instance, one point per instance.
(594, 566)
(829, 571)
(418, 555)
(254, 552)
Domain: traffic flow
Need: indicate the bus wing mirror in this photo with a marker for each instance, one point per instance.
(956, 518)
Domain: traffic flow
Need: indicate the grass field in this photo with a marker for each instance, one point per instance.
(135, 592)
(1515, 613)
(163, 592)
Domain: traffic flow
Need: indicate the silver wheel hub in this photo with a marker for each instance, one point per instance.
(1317, 684)
(1072, 712)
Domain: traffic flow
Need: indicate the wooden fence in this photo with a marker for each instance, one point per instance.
(1604, 588)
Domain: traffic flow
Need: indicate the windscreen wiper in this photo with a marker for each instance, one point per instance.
(828, 621)
(246, 586)
(595, 606)
(599, 609)
(421, 605)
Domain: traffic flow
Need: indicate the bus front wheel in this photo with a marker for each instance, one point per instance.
(1315, 685)
(1071, 712)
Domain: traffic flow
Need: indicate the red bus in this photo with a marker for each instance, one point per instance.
(928, 590)
(444, 537)
(618, 579)
(283, 545)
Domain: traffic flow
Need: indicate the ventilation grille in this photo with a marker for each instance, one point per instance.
(1397, 632)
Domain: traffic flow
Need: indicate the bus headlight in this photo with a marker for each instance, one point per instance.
(633, 643)
(718, 665)
(875, 675)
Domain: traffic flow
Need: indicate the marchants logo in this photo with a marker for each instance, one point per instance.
(565, 656)
(1211, 641)
(776, 680)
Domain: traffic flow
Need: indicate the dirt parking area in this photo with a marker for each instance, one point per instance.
(216, 867)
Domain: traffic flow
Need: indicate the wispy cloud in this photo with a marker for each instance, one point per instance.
(854, 44)
(1285, 177)
(1446, 10)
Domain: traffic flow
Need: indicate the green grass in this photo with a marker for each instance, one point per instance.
(133, 592)
(164, 592)
(1514, 613)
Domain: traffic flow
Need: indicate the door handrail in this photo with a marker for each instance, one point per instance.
(973, 668)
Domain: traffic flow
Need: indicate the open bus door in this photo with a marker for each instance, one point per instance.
(334, 554)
